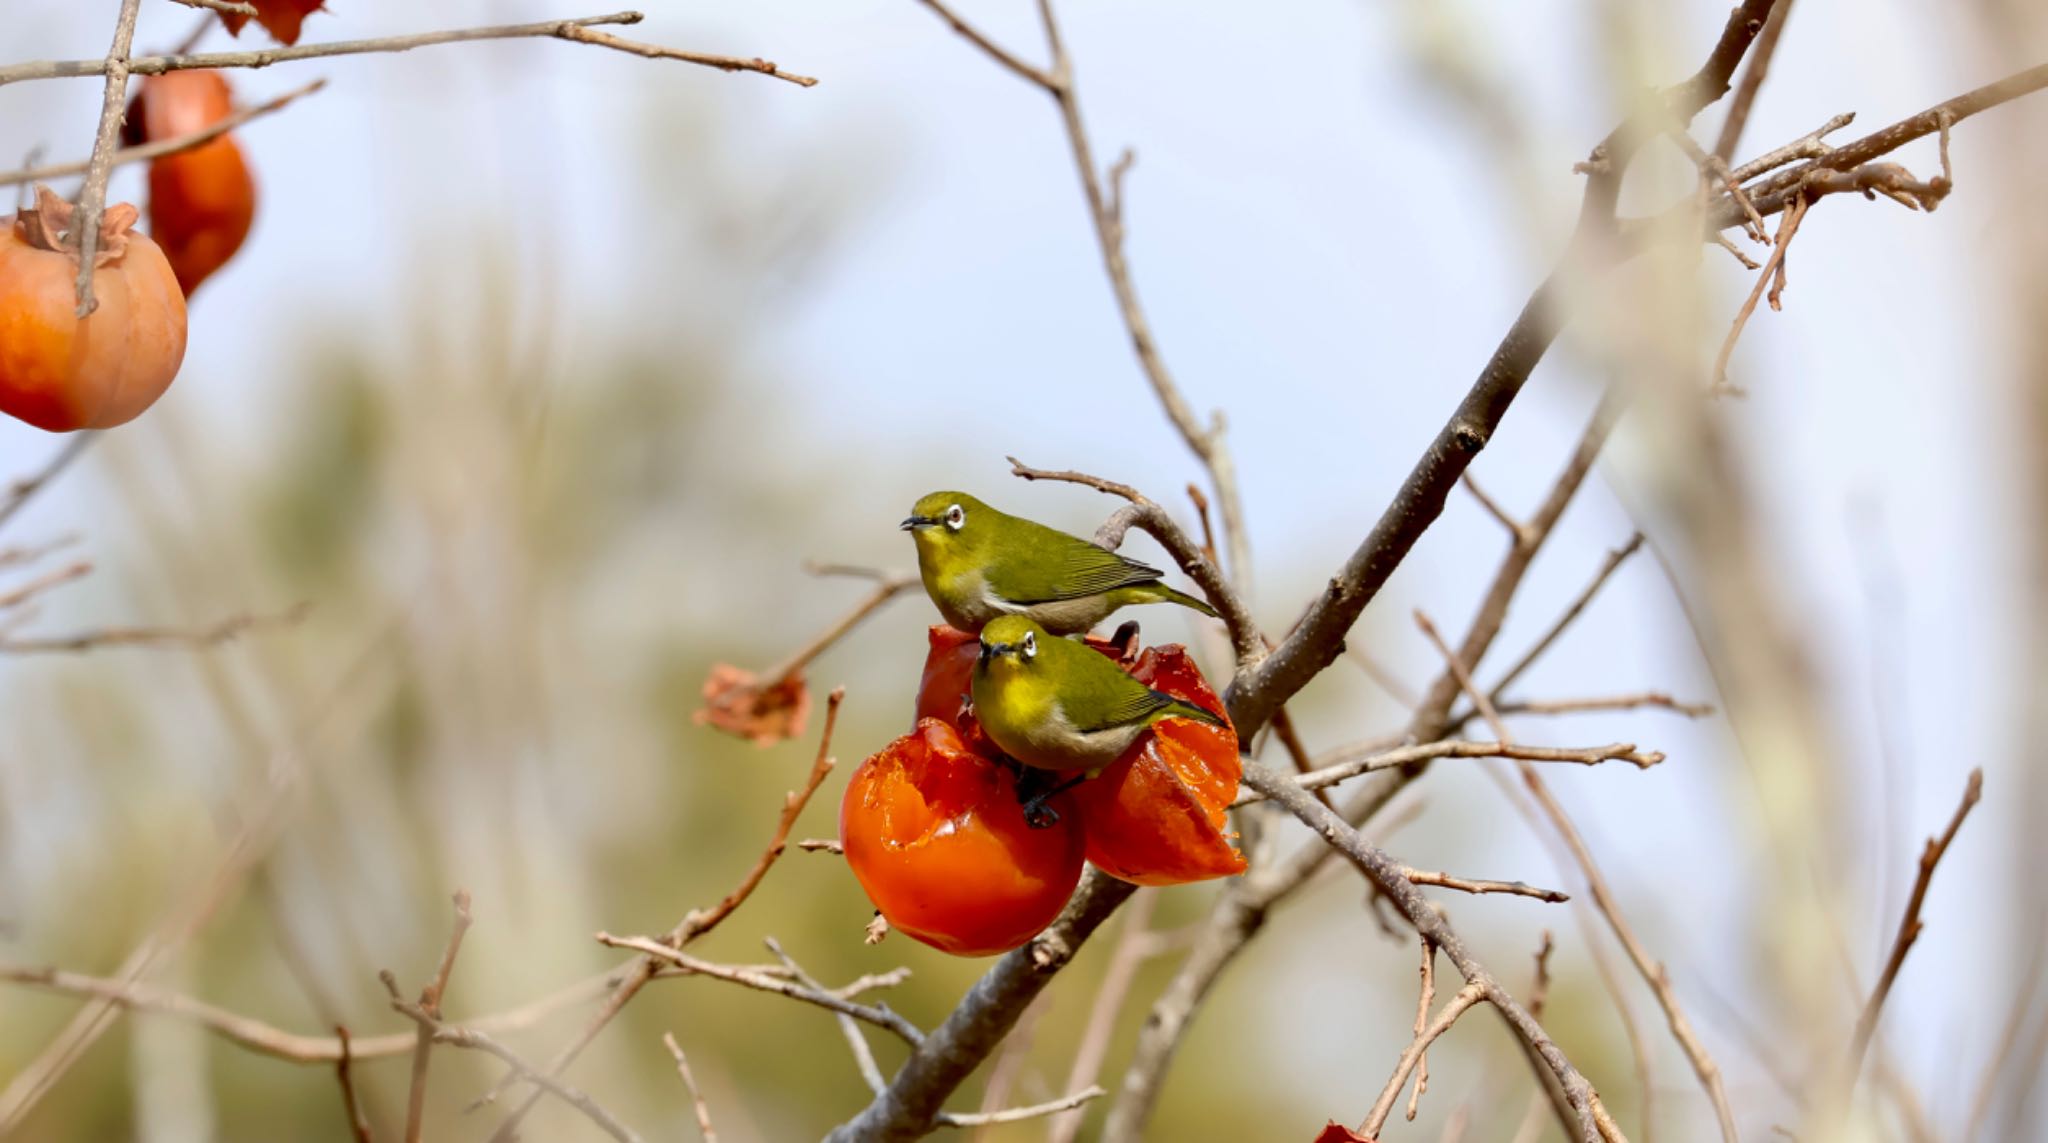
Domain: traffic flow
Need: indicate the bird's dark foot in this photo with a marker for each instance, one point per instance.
(1037, 814)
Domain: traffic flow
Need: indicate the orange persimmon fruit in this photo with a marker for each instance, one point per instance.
(59, 372)
(936, 837)
(1159, 814)
(202, 201)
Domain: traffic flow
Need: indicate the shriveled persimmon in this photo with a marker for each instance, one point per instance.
(60, 372)
(202, 201)
(936, 836)
(1159, 814)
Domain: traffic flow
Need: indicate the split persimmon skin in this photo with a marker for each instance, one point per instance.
(937, 838)
(60, 373)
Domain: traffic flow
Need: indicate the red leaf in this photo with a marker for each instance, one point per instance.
(1338, 1133)
(738, 703)
(281, 18)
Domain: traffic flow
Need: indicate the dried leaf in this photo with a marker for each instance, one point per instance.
(281, 18)
(1338, 1133)
(740, 704)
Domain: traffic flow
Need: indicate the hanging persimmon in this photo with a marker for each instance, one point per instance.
(937, 838)
(60, 372)
(201, 200)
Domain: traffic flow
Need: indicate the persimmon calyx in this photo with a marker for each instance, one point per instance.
(47, 226)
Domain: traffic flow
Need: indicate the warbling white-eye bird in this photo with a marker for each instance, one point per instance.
(978, 564)
(1054, 704)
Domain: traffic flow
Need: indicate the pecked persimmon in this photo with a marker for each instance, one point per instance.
(936, 836)
(202, 200)
(1158, 815)
(60, 372)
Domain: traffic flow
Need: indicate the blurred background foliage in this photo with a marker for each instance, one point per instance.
(540, 379)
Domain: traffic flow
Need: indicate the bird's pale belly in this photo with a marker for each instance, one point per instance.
(1054, 744)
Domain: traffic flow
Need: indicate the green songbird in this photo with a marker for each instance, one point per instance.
(1054, 704)
(978, 564)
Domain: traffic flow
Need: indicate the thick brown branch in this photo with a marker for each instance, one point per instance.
(1776, 193)
(910, 1105)
(92, 198)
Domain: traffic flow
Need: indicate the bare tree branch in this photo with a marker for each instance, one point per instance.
(573, 30)
(162, 147)
(1909, 927)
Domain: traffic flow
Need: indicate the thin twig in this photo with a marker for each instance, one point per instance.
(1753, 74)
(657, 52)
(429, 1018)
(689, 1081)
(1652, 972)
(210, 635)
(162, 147)
(358, 1124)
(454, 1036)
(1606, 702)
(693, 925)
(1426, 997)
(1777, 192)
(1014, 64)
(1909, 928)
(1332, 773)
(1593, 1122)
(25, 489)
(1135, 944)
(45, 582)
(1018, 1114)
(1412, 1056)
(1146, 514)
(887, 588)
(1608, 567)
(863, 1055)
(1106, 214)
(878, 1015)
(1471, 885)
(231, 7)
(572, 30)
(1774, 268)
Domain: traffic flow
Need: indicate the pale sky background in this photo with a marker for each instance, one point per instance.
(1328, 254)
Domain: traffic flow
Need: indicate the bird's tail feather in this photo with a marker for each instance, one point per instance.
(1185, 600)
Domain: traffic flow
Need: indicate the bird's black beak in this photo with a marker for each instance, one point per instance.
(992, 650)
(913, 523)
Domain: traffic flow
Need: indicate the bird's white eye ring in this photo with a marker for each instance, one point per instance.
(1030, 645)
(955, 517)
